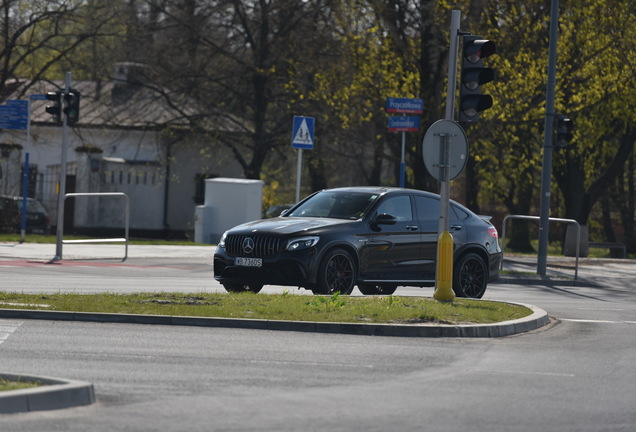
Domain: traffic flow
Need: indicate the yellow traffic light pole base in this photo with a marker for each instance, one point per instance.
(444, 275)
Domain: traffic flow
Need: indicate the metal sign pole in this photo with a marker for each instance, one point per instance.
(450, 109)
(298, 173)
(444, 273)
(62, 191)
(544, 212)
(445, 157)
(403, 160)
(25, 188)
(452, 65)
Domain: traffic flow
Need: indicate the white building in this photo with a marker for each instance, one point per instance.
(128, 139)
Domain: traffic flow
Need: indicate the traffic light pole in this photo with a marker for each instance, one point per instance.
(546, 175)
(450, 111)
(62, 190)
(444, 271)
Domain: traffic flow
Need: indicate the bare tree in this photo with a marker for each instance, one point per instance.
(38, 38)
(229, 57)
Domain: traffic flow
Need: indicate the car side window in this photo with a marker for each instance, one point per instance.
(398, 206)
(427, 208)
(458, 213)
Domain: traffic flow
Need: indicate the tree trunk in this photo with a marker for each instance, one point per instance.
(571, 180)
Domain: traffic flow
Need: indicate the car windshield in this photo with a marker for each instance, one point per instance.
(338, 205)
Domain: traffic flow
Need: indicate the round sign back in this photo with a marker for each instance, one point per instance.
(433, 148)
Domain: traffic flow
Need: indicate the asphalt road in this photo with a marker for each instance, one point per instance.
(575, 375)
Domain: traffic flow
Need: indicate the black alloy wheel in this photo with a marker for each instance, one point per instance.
(337, 273)
(377, 289)
(236, 287)
(470, 276)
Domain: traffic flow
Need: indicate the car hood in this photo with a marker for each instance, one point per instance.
(287, 225)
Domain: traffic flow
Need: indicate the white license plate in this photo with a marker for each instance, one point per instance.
(248, 262)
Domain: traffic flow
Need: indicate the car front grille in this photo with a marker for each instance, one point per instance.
(261, 246)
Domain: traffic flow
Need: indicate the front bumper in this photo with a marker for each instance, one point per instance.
(286, 268)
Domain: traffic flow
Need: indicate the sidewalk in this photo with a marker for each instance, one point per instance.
(107, 251)
(602, 272)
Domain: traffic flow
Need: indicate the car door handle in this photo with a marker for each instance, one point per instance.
(456, 227)
(411, 227)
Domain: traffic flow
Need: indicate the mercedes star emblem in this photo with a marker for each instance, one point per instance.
(248, 245)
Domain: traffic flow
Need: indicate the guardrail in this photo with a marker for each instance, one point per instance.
(620, 247)
(105, 240)
(568, 221)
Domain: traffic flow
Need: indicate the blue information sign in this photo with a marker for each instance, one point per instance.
(14, 115)
(404, 124)
(404, 105)
(303, 133)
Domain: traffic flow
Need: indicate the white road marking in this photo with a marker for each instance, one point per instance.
(7, 327)
(597, 321)
(550, 374)
(303, 363)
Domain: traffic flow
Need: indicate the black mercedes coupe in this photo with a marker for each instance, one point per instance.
(377, 238)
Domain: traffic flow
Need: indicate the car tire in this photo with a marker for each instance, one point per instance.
(336, 273)
(470, 276)
(235, 287)
(377, 289)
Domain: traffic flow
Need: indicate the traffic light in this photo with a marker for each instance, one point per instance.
(473, 75)
(72, 106)
(56, 108)
(564, 127)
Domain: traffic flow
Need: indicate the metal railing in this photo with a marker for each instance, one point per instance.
(536, 218)
(105, 240)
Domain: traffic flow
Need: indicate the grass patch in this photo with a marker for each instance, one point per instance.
(7, 385)
(285, 306)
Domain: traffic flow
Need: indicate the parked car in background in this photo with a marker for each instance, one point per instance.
(377, 238)
(37, 219)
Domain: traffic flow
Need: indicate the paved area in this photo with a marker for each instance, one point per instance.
(516, 270)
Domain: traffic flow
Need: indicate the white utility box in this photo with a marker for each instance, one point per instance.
(228, 202)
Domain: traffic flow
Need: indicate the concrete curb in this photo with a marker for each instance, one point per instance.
(54, 393)
(538, 318)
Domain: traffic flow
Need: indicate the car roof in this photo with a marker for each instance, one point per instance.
(381, 190)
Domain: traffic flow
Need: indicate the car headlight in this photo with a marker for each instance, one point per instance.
(222, 241)
(302, 243)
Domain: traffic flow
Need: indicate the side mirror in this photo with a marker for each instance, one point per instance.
(384, 219)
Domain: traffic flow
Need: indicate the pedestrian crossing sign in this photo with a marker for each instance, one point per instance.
(303, 133)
